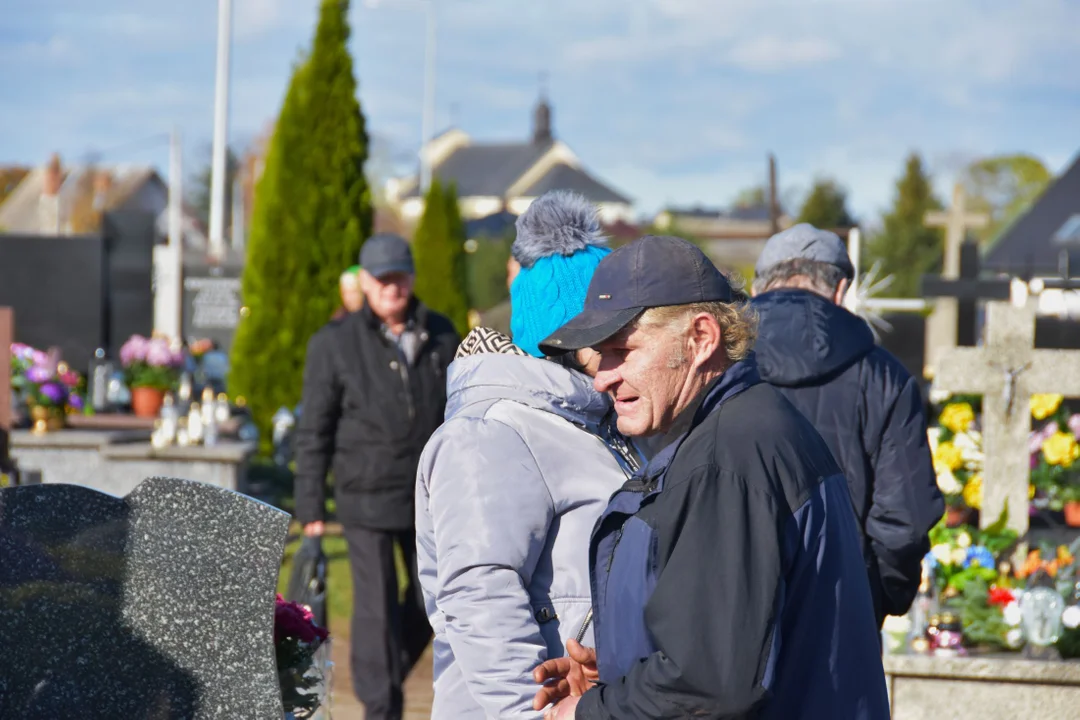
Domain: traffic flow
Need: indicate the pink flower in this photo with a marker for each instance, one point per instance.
(292, 620)
(159, 354)
(1037, 437)
(70, 378)
(134, 350)
(1074, 425)
(38, 374)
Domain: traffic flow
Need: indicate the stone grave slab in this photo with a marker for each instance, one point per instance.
(158, 605)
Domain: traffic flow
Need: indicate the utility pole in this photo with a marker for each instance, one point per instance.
(219, 168)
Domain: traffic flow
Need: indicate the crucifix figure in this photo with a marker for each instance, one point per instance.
(941, 325)
(1007, 370)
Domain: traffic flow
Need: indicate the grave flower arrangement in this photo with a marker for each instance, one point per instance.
(42, 380)
(296, 640)
(1055, 456)
(956, 447)
(151, 363)
(1054, 442)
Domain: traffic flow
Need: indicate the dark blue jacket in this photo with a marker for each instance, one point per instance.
(869, 410)
(727, 576)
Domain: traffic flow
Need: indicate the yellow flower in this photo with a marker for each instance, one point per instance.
(1064, 557)
(1061, 449)
(973, 492)
(957, 417)
(948, 457)
(1031, 492)
(1044, 405)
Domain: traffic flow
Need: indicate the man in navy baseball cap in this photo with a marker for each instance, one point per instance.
(655, 271)
(727, 575)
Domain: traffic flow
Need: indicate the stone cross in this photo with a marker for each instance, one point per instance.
(1007, 370)
(942, 323)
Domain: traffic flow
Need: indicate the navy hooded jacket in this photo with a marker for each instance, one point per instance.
(870, 411)
(727, 578)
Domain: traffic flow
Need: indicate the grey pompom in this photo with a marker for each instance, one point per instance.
(557, 222)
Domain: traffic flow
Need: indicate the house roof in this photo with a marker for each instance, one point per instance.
(487, 170)
(496, 225)
(20, 212)
(1035, 241)
(565, 177)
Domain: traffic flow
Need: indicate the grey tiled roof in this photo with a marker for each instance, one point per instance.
(485, 170)
(564, 177)
(1029, 245)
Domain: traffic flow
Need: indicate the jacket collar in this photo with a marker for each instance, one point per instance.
(737, 378)
(416, 313)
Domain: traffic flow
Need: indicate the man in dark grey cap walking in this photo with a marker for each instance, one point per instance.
(858, 396)
(374, 392)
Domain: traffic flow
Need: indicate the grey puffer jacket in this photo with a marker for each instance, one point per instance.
(507, 494)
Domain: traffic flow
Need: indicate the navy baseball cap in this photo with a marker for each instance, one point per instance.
(653, 271)
(386, 253)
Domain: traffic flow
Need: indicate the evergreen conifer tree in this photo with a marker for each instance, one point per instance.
(906, 247)
(311, 214)
(439, 253)
(826, 206)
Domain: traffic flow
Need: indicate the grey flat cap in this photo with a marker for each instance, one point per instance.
(386, 253)
(805, 242)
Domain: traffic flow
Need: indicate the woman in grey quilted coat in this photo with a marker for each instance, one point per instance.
(510, 486)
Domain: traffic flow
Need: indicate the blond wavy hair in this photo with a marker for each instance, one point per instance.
(737, 320)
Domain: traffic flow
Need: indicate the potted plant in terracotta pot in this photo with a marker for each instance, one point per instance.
(151, 367)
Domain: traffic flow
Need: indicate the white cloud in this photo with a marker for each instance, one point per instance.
(769, 53)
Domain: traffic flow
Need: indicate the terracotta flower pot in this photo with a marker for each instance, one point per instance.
(146, 401)
(1072, 513)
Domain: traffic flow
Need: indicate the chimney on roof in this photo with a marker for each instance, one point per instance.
(49, 202)
(542, 121)
(53, 176)
(102, 185)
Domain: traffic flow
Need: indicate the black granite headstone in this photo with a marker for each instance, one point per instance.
(159, 605)
(212, 301)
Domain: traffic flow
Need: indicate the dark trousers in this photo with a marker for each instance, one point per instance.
(388, 636)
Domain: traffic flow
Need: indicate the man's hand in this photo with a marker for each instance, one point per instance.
(567, 676)
(315, 529)
(565, 710)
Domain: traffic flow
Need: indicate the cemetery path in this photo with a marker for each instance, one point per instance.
(345, 706)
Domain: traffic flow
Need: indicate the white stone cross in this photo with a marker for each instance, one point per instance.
(941, 325)
(1007, 370)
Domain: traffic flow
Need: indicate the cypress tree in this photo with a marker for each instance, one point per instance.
(826, 206)
(906, 247)
(439, 253)
(311, 214)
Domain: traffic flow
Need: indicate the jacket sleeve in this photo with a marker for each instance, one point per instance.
(316, 431)
(712, 614)
(490, 514)
(906, 501)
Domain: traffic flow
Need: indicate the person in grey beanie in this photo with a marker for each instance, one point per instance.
(509, 487)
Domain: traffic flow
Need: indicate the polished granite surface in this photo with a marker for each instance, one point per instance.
(156, 605)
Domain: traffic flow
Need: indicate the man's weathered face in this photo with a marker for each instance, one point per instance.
(645, 370)
(388, 295)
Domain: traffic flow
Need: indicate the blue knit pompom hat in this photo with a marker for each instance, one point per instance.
(559, 243)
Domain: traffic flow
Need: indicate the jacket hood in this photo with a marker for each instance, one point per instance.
(804, 338)
(494, 371)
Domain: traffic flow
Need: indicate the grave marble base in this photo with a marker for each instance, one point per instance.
(999, 687)
(117, 461)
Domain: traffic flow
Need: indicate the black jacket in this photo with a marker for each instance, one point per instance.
(870, 412)
(728, 580)
(366, 417)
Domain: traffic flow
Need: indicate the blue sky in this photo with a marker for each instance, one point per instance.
(670, 101)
